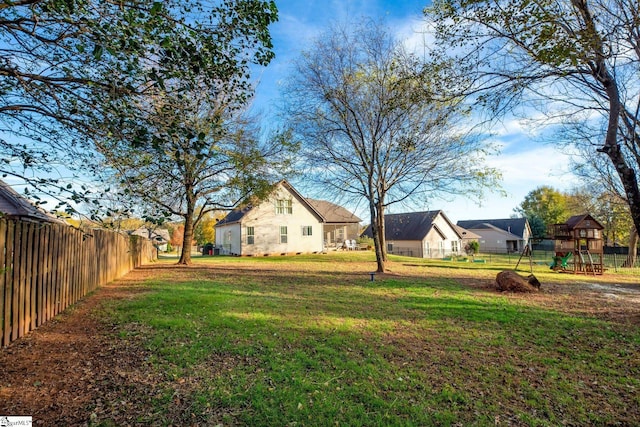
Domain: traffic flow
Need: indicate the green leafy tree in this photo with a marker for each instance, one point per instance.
(71, 70)
(365, 109)
(543, 207)
(538, 226)
(576, 61)
(205, 231)
(472, 248)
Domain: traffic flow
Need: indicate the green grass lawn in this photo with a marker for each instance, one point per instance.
(310, 340)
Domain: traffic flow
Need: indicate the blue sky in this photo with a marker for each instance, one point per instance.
(525, 161)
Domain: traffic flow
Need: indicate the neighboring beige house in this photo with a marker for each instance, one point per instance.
(421, 234)
(467, 237)
(285, 223)
(500, 235)
(159, 236)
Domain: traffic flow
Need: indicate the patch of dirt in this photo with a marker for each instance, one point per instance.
(614, 288)
(74, 363)
(606, 297)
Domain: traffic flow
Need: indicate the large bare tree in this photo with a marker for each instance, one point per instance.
(371, 128)
(573, 60)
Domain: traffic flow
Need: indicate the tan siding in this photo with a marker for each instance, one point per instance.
(450, 235)
(266, 223)
(406, 248)
(222, 240)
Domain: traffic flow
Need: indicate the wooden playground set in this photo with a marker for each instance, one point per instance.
(578, 246)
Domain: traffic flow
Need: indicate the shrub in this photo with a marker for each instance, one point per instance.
(472, 247)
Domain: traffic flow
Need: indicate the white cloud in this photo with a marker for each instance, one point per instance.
(523, 172)
(292, 32)
(542, 165)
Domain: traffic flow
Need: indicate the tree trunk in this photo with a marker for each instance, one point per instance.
(187, 238)
(378, 237)
(633, 249)
(382, 231)
(185, 256)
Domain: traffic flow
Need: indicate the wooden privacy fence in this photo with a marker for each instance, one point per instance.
(45, 267)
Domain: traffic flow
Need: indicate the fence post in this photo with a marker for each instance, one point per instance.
(4, 293)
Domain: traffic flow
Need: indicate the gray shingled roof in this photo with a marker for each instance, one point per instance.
(158, 234)
(467, 234)
(514, 226)
(407, 226)
(235, 215)
(13, 205)
(332, 213)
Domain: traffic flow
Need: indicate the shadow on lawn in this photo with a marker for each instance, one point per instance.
(349, 282)
(300, 296)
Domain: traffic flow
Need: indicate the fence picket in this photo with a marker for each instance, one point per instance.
(53, 273)
(8, 283)
(32, 253)
(64, 259)
(46, 267)
(3, 291)
(42, 273)
(18, 284)
(49, 299)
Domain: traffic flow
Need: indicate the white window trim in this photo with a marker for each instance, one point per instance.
(251, 237)
(284, 207)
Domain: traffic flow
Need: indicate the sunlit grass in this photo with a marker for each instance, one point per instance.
(311, 340)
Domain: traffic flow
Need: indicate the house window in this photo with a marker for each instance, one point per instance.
(307, 230)
(390, 247)
(283, 234)
(250, 235)
(227, 240)
(284, 206)
(441, 247)
(454, 246)
(427, 251)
